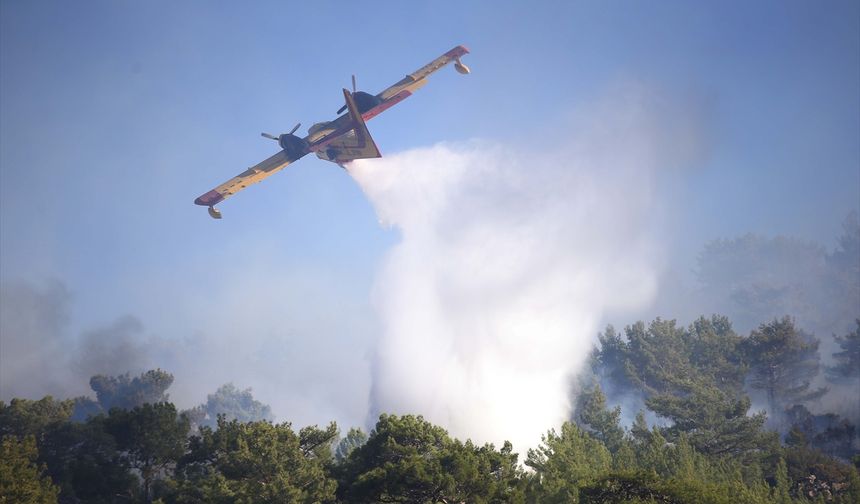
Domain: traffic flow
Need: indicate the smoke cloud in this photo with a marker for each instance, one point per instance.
(32, 350)
(39, 356)
(508, 261)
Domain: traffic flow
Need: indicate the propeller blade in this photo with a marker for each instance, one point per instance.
(269, 135)
(353, 92)
(294, 129)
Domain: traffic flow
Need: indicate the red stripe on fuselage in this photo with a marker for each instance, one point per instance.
(387, 104)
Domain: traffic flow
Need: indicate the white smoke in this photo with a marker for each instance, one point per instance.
(508, 260)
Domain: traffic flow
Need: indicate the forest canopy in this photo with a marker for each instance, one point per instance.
(696, 438)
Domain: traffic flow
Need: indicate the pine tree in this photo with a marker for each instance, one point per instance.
(593, 415)
(21, 479)
(714, 422)
(126, 392)
(408, 459)
(783, 362)
(354, 438)
(565, 461)
(152, 438)
(658, 359)
(714, 352)
(846, 368)
(783, 484)
(257, 462)
(610, 361)
(233, 403)
(639, 431)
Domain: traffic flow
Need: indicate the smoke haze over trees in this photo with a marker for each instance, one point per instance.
(662, 410)
(755, 278)
(35, 334)
(710, 452)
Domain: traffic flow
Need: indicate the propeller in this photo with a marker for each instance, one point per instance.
(277, 139)
(353, 92)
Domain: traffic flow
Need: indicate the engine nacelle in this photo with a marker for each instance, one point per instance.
(293, 145)
(365, 101)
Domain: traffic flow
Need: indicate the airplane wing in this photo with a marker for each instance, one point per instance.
(416, 80)
(393, 95)
(250, 176)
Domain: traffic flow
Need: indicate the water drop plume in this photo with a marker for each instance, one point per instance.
(507, 261)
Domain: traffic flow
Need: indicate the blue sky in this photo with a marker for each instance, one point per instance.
(114, 116)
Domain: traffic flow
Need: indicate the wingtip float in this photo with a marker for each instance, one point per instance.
(339, 141)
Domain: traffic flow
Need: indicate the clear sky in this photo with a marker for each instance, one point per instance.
(115, 115)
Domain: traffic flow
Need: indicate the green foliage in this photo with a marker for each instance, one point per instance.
(610, 360)
(23, 417)
(639, 431)
(487, 475)
(593, 416)
(84, 461)
(256, 462)
(565, 461)
(706, 447)
(783, 361)
(21, 479)
(714, 351)
(624, 458)
(796, 438)
(846, 368)
(407, 459)
(151, 437)
(126, 392)
(233, 404)
(317, 443)
(354, 438)
(644, 488)
(85, 408)
(656, 455)
(852, 490)
(693, 377)
(658, 359)
(715, 422)
(783, 484)
(665, 359)
(81, 458)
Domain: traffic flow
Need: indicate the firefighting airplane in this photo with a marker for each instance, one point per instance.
(339, 141)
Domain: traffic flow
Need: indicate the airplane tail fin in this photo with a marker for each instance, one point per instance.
(362, 145)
